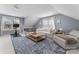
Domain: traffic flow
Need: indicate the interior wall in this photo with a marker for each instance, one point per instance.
(0, 24)
(22, 20)
(66, 23)
(40, 22)
(30, 21)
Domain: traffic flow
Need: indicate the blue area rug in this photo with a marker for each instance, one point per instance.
(24, 45)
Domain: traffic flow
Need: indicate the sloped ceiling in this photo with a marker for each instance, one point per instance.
(40, 10)
(36, 10)
(31, 11)
(71, 10)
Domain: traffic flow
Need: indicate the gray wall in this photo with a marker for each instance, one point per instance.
(0, 24)
(67, 23)
(30, 21)
(38, 24)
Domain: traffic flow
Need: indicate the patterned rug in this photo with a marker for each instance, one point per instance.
(24, 45)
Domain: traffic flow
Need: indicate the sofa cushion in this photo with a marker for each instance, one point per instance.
(69, 40)
(74, 33)
(44, 30)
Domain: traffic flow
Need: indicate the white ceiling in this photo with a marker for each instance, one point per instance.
(31, 11)
(71, 10)
(36, 10)
(40, 10)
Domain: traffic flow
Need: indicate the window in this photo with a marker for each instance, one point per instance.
(48, 22)
(51, 23)
(6, 22)
(45, 23)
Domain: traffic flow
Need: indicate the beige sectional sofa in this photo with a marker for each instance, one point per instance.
(70, 48)
(46, 31)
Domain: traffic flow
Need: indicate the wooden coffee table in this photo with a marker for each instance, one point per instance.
(36, 37)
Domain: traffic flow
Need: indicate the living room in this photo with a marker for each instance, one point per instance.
(39, 29)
